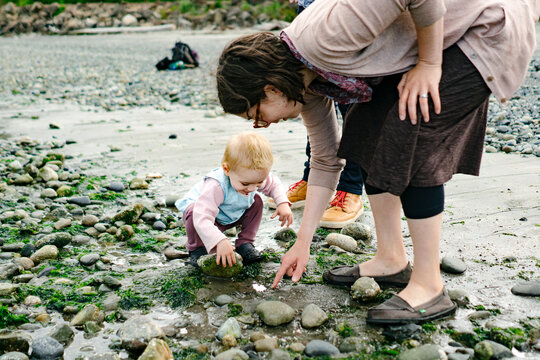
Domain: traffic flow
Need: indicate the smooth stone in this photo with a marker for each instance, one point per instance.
(7, 289)
(116, 187)
(89, 220)
(229, 327)
(358, 231)
(24, 179)
(402, 332)
(137, 332)
(27, 250)
(91, 327)
(63, 333)
(344, 242)
(8, 271)
(100, 227)
(351, 344)
(47, 252)
(459, 356)
(14, 355)
(313, 316)
(171, 199)
(365, 289)
(129, 215)
(59, 240)
(278, 354)
(23, 278)
(63, 191)
(275, 313)
(266, 345)
(480, 314)
(285, 234)
(62, 223)
(150, 217)
(13, 247)
(15, 341)
(112, 282)
(208, 266)
(172, 254)
(487, 349)
(229, 341)
(320, 348)
(15, 165)
(79, 200)
(89, 313)
(46, 271)
(159, 225)
(157, 349)
(32, 300)
(47, 348)
(531, 288)
(453, 265)
(297, 347)
(223, 300)
(49, 193)
(89, 259)
(138, 184)
(232, 354)
(48, 174)
(424, 352)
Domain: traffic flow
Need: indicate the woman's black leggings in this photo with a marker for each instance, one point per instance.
(417, 202)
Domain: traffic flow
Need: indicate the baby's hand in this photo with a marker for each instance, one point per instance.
(225, 253)
(285, 214)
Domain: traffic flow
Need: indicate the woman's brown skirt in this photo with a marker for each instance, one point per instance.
(396, 154)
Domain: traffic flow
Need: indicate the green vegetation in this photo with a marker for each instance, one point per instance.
(234, 310)
(189, 354)
(55, 299)
(250, 271)
(178, 290)
(344, 330)
(144, 244)
(107, 196)
(7, 318)
(130, 300)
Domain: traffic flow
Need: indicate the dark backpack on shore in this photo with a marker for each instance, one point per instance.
(181, 52)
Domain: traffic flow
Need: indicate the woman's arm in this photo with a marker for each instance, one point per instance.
(424, 78)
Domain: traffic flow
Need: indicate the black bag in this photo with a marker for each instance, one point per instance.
(181, 52)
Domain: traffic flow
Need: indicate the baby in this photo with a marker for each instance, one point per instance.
(227, 197)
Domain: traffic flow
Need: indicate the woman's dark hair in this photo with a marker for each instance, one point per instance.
(249, 63)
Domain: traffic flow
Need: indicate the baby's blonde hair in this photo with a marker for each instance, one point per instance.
(249, 150)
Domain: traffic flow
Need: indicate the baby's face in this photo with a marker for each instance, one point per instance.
(245, 180)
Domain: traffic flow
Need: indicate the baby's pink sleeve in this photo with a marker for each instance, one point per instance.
(205, 211)
(272, 187)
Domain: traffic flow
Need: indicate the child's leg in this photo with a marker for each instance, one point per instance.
(193, 239)
(250, 221)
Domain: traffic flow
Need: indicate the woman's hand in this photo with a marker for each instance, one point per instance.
(284, 212)
(418, 84)
(293, 263)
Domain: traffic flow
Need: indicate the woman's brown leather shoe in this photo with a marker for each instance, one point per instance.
(347, 275)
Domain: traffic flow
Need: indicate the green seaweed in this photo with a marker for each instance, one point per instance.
(7, 318)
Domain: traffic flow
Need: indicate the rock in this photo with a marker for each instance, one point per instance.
(275, 313)
(79, 200)
(27, 250)
(531, 288)
(112, 302)
(159, 225)
(8, 271)
(7, 289)
(229, 327)
(351, 344)
(277, 354)
(138, 184)
(89, 259)
(344, 242)
(358, 231)
(285, 235)
(129, 20)
(487, 349)
(59, 240)
(32, 300)
(116, 187)
(459, 296)
(402, 332)
(129, 215)
(172, 254)
(171, 199)
(63, 334)
(14, 355)
(89, 313)
(223, 300)
(64, 191)
(91, 327)
(48, 174)
(424, 352)
(313, 316)
(232, 354)
(125, 233)
(229, 341)
(49, 193)
(365, 289)
(297, 347)
(256, 336)
(24, 179)
(112, 282)
(320, 348)
(208, 265)
(453, 265)
(62, 223)
(137, 332)
(480, 314)
(47, 348)
(47, 252)
(157, 349)
(15, 341)
(46, 271)
(15, 165)
(266, 345)
(89, 220)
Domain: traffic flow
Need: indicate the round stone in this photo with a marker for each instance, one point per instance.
(365, 289)
(453, 265)
(313, 316)
(320, 348)
(223, 300)
(89, 259)
(47, 348)
(531, 288)
(275, 313)
(116, 187)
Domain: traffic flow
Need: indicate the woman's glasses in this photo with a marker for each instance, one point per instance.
(258, 122)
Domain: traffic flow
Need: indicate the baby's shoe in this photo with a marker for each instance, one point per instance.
(249, 254)
(196, 254)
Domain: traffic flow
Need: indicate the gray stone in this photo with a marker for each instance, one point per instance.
(344, 242)
(150, 217)
(229, 327)
(27, 250)
(487, 349)
(129, 20)
(453, 265)
(207, 264)
(531, 288)
(49, 193)
(320, 348)
(15, 165)
(112, 302)
(159, 225)
(138, 184)
(157, 349)
(15, 341)
(89, 220)
(45, 271)
(275, 313)
(89, 313)
(48, 174)
(48, 252)
(79, 200)
(59, 240)
(459, 296)
(232, 354)
(137, 332)
(14, 355)
(285, 234)
(7, 289)
(223, 300)
(351, 344)
(313, 316)
(8, 271)
(13, 247)
(266, 345)
(480, 314)
(171, 253)
(62, 223)
(89, 259)
(424, 352)
(47, 348)
(459, 356)
(278, 354)
(116, 186)
(23, 278)
(129, 215)
(365, 289)
(402, 332)
(24, 179)
(63, 334)
(112, 282)
(31, 300)
(358, 231)
(171, 199)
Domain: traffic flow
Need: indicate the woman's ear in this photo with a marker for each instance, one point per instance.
(225, 168)
(268, 88)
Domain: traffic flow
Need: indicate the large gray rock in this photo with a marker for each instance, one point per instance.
(320, 348)
(208, 265)
(424, 352)
(358, 231)
(89, 313)
(15, 341)
(531, 288)
(47, 252)
(63, 334)
(278, 354)
(313, 316)
(452, 265)
(275, 313)
(345, 242)
(47, 348)
(89, 259)
(137, 332)
(79, 200)
(229, 327)
(59, 240)
(365, 289)
(488, 350)
(232, 354)
(129, 20)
